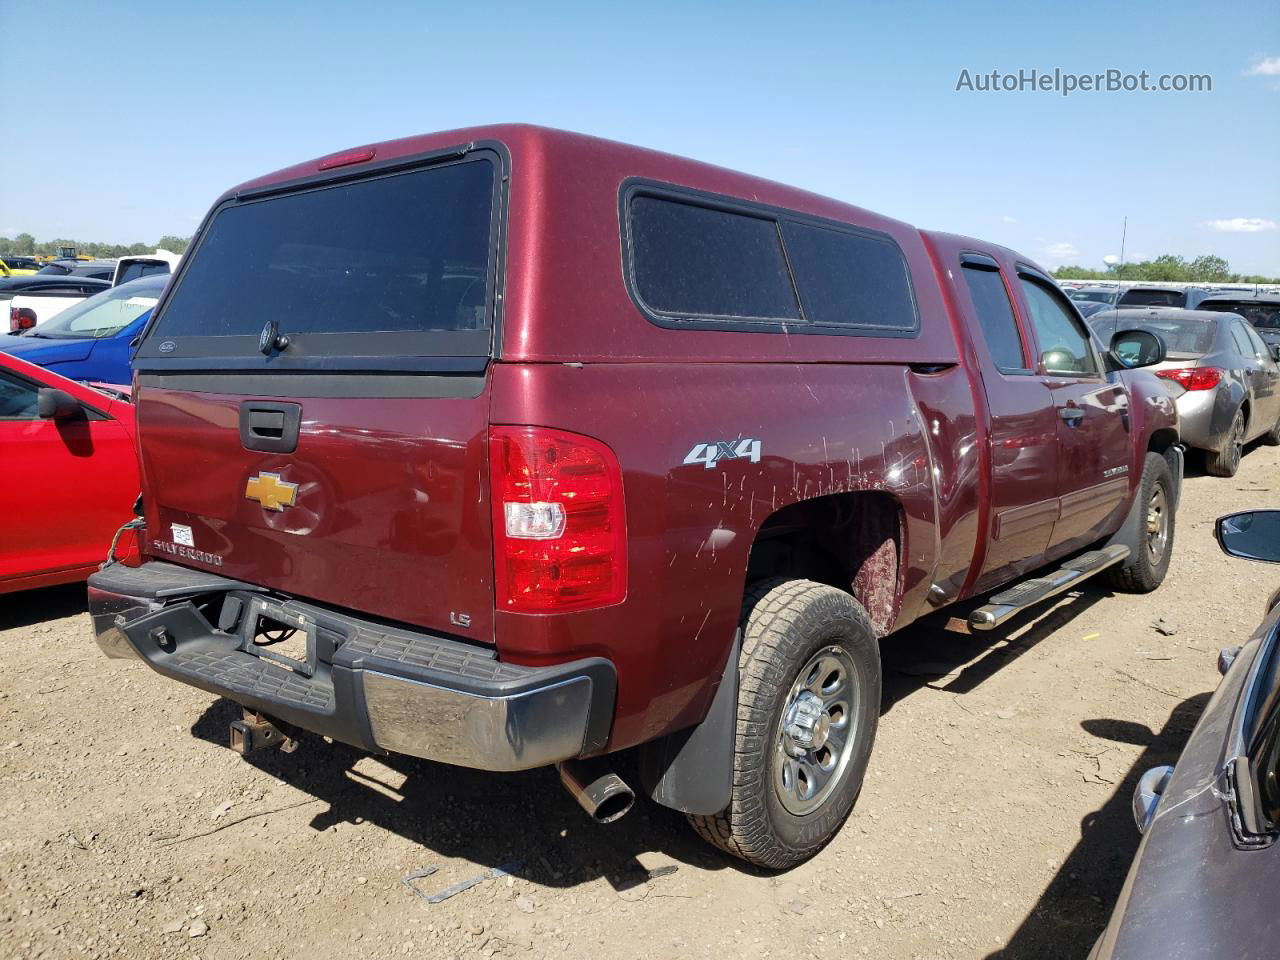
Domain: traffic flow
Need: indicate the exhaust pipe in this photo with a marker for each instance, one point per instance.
(598, 790)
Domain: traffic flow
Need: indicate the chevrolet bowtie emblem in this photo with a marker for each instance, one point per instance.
(270, 491)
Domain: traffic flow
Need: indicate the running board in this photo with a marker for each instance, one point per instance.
(1009, 603)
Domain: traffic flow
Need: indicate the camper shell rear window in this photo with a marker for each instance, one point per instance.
(391, 270)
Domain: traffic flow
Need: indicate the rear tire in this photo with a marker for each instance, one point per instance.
(1147, 565)
(808, 707)
(1225, 462)
(1272, 437)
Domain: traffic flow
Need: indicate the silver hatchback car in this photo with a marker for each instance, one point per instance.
(1224, 379)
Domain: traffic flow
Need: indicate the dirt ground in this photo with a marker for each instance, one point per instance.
(994, 822)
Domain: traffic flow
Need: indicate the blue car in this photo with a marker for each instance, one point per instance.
(92, 340)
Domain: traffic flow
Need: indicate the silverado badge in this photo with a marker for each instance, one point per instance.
(270, 491)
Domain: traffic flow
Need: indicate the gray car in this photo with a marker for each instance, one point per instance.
(1223, 377)
(1206, 877)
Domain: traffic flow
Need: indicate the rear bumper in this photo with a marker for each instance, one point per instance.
(367, 684)
(1204, 417)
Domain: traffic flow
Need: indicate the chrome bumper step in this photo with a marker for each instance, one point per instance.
(1009, 603)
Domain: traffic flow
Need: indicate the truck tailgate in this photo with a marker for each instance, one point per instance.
(381, 508)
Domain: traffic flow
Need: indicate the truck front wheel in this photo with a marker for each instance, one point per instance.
(808, 706)
(1149, 560)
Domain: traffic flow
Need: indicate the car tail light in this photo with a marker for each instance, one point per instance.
(1193, 378)
(559, 529)
(21, 318)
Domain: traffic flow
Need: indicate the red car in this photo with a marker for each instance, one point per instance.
(68, 455)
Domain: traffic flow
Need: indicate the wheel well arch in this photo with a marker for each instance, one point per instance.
(851, 541)
(1162, 439)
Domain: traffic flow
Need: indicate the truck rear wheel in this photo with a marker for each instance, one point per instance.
(808, 707)
(1149, 561)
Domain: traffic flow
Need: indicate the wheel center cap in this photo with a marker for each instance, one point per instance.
(807, 724)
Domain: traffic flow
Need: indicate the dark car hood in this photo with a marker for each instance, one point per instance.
(35, 281)
(42, 352)
(1191, 893)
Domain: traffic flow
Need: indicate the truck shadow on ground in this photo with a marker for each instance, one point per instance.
(29, 607)
(526, 824)
(1075, 906)
(928, 654)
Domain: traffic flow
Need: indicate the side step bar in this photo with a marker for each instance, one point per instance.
(1009, 603)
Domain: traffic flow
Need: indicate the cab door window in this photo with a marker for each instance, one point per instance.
(995, 316)
(1065, 348)
(1259, 345)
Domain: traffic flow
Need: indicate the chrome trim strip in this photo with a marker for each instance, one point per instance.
(1235, 761)
(518, 732)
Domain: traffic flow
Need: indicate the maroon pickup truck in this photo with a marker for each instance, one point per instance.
(506, 447)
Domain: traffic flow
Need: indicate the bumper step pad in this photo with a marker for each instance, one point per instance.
(247, 675)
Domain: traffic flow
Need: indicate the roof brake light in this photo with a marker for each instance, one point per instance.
(346, 158)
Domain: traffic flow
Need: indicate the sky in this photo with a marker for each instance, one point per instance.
(123, 121)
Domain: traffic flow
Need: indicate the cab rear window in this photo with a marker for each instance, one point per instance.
(399, 264)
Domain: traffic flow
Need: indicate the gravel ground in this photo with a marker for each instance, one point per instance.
(994, 822)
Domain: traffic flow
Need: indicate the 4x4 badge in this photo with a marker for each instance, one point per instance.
(709, 454)
(270, 491)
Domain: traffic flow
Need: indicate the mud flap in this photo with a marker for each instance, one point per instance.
(692, 770)
(1177, 457)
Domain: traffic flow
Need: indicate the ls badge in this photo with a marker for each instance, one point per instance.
(270, 491)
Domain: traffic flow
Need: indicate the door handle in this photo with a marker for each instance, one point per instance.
(1071, 415)
(270, 427)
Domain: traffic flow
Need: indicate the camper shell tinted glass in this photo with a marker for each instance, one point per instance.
(848, 278)
(379, 272)
(694, 259)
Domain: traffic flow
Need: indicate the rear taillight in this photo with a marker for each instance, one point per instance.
(559, 529)
(21, 318)
(1193, 378)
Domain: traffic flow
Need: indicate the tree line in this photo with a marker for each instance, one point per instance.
(1169, 267)
(25, 245)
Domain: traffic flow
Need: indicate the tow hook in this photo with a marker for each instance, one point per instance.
(255, 732)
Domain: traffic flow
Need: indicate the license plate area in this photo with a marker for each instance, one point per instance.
(273, 632)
